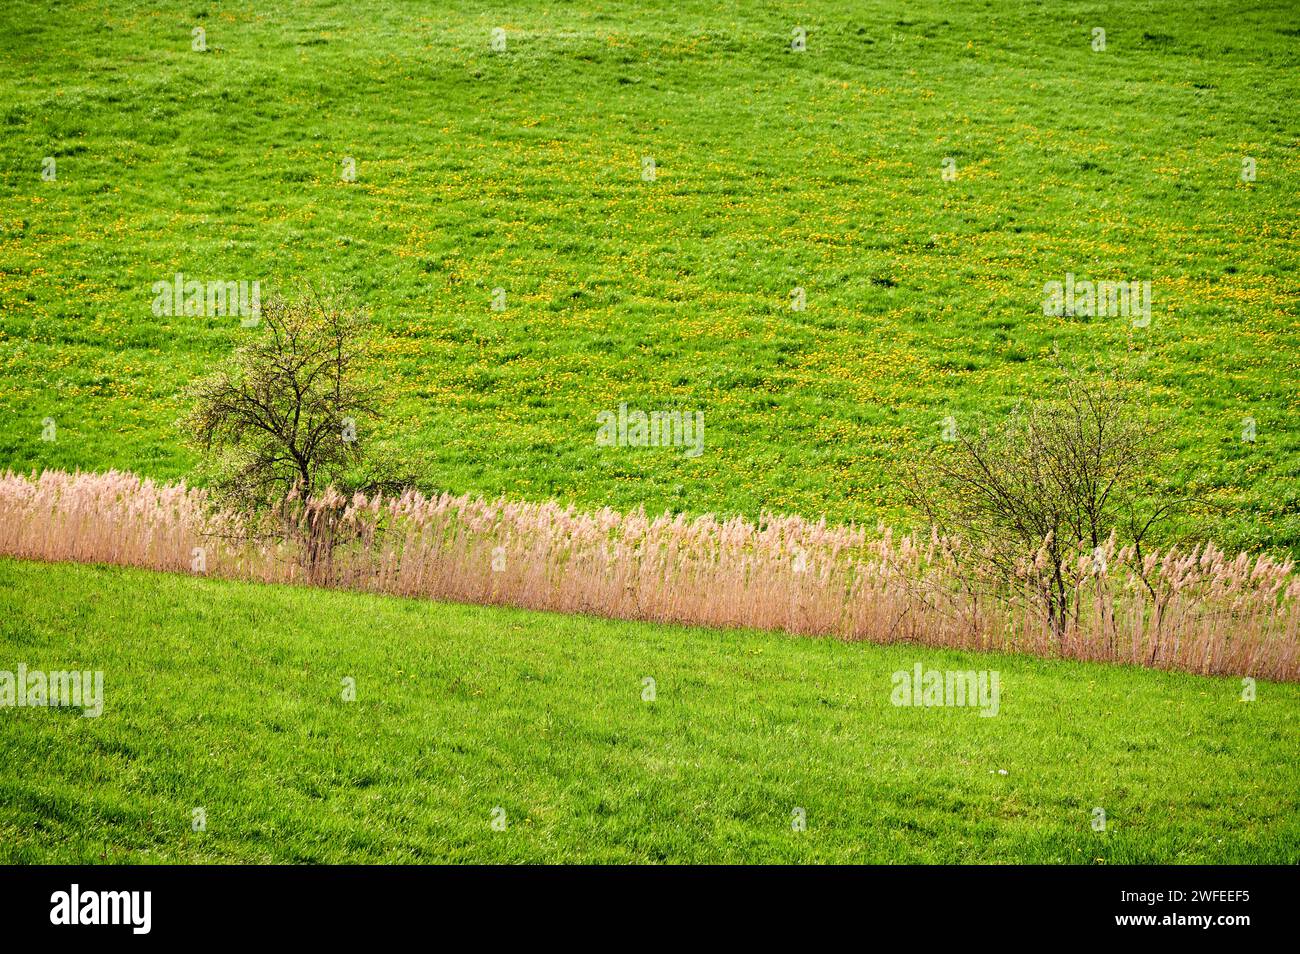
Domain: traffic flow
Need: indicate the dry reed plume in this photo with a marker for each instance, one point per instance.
(1204, 611)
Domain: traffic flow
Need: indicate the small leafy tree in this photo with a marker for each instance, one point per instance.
(1048, 486)
(285, 416)
(288, 420)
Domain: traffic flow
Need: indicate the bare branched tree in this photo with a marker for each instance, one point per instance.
(1047, 487)
(288, 413)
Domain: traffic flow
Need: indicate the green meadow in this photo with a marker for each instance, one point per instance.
(797, 268)
(521, 170)
(228, 697)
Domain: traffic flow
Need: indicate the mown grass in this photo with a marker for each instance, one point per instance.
(775, 170)
(227, 696)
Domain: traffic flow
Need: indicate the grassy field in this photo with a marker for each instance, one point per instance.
(227, 697)
(775, 169)
(521, 169)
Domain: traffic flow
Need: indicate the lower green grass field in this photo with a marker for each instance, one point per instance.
(228, 697)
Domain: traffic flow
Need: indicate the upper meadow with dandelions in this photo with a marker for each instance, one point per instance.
(968, 329)
(774, 170)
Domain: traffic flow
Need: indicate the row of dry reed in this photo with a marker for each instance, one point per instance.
(1203, 611)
